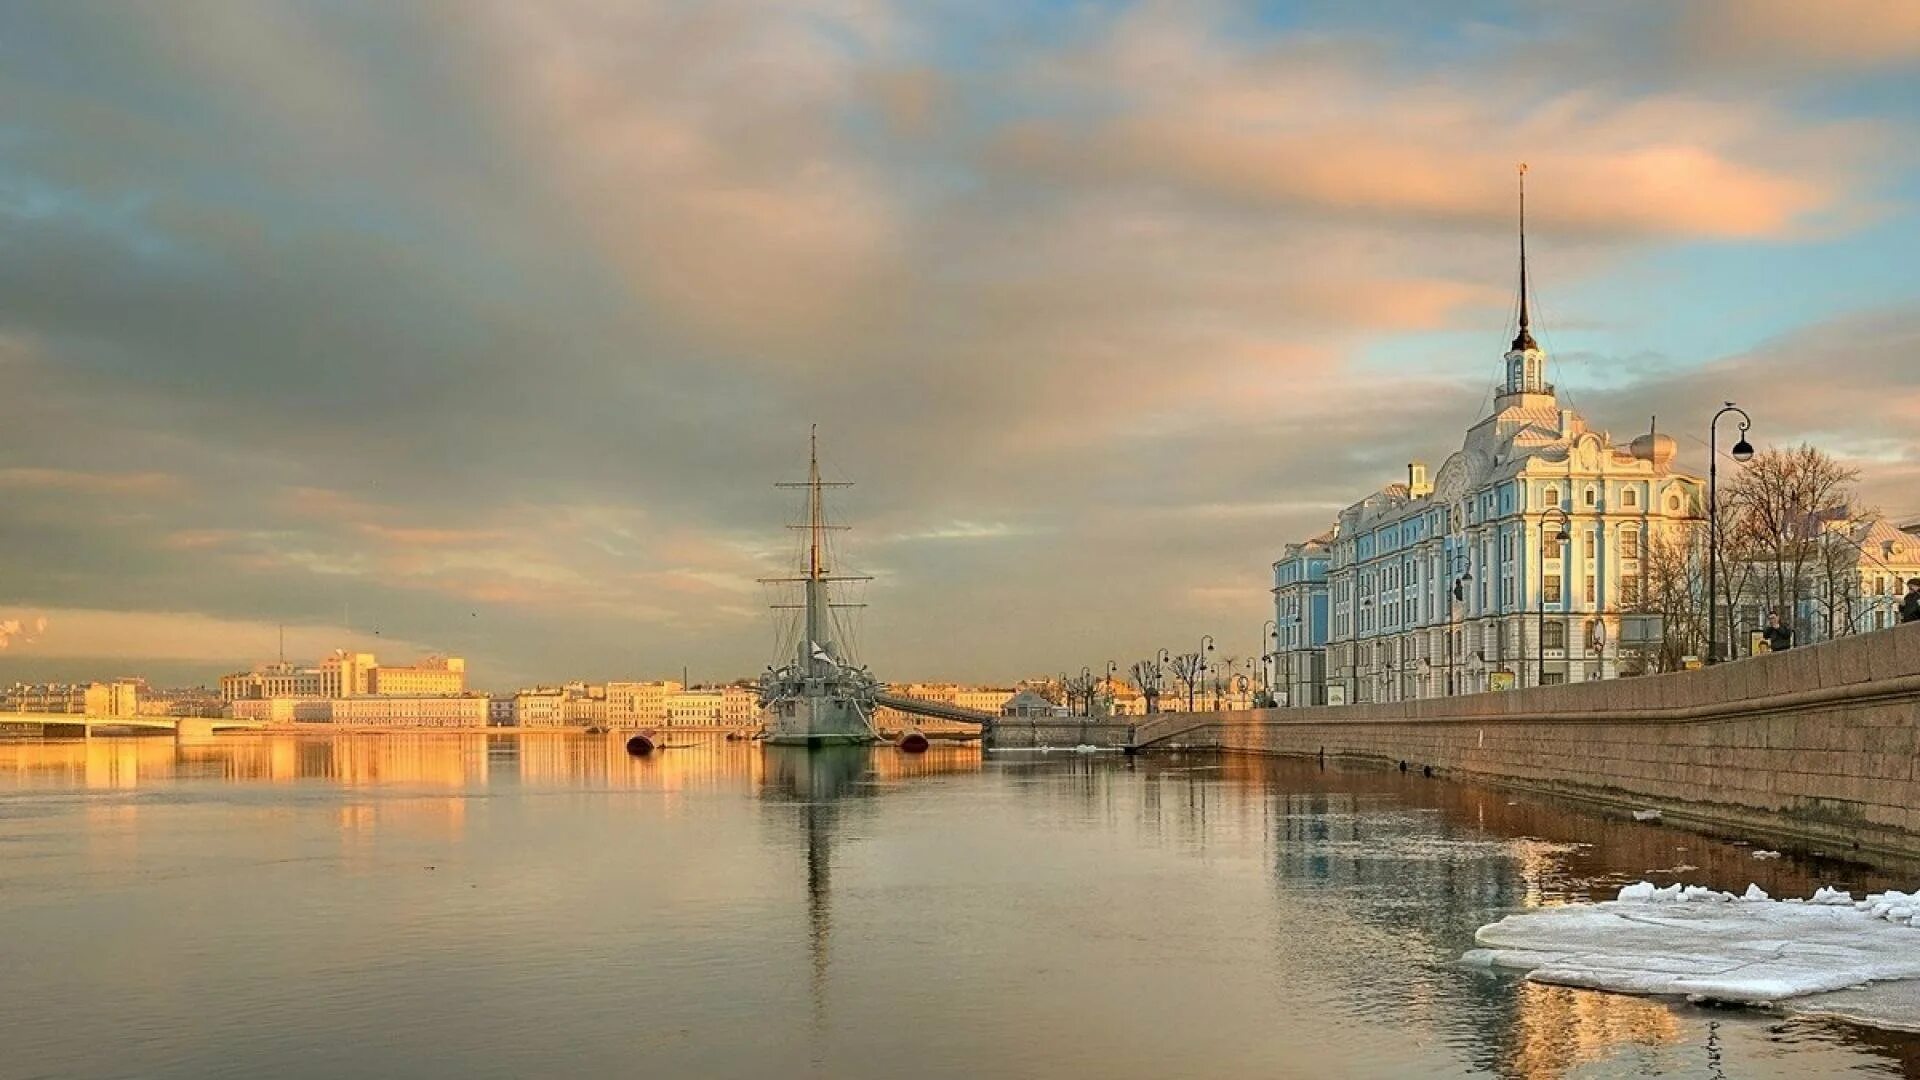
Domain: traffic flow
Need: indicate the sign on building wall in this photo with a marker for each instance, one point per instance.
(1500, 680)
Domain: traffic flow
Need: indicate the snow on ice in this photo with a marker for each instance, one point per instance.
(1712, 945)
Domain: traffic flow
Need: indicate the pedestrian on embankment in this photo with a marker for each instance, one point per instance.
(1778, 638)
(1910, 603)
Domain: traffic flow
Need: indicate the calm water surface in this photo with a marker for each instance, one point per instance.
(475, 906)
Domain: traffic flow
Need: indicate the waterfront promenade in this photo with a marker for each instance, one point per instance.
(1816, 744)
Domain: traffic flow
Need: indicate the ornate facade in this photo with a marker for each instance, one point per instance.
(1462, 583)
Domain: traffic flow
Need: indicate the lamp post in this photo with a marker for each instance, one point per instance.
(1455, 594)
(1560, 541)
(1206, 648)
(1086, 691)
(1742, 452)
(1160, 663)
(1269, 638)
(1112, 701)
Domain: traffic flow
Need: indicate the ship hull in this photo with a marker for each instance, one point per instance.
(824, 720)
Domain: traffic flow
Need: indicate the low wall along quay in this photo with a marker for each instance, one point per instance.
(1816, 744)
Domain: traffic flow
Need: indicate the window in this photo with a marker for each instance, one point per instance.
(1629, 543)
(1553, 678)
(1673, 503)
(1553, 588)
(1630, 588)
(1553, 635)
(1551, 497)
(1592, 595)
(1593, 495)
(1629, 498)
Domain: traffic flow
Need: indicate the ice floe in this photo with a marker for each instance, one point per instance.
(1712, 945)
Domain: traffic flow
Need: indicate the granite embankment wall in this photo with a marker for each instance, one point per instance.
(1061, 732)
(1816, 744)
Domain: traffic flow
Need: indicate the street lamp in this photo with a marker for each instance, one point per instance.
(1455, 594)
(1112, 666)
(1560, 541)
(1742, 452)
(1206, 648)
(1086, 691)
(1269, 642)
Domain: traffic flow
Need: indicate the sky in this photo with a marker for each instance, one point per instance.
(486, 327)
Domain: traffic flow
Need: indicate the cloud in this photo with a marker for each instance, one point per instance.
(494, 335)
(89, 483)
(67, 633)
(1834, 34)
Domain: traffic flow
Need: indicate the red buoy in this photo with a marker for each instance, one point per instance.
(640, 745)
(914, 743)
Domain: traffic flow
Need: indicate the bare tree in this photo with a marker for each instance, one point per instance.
(1784, 503)
(1836, 585)
(1146, 675)
(1187, 668)
(1083, 686)
(1673, 578)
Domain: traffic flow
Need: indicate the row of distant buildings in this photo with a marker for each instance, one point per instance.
(1526, 559)
(127, 696)
(355, 688)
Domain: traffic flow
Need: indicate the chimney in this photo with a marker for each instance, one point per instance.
(1418, 486)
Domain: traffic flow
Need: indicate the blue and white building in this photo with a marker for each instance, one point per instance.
(1459, 583)
(1301, 620)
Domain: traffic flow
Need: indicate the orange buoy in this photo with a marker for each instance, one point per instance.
(914, 743)
(640, 745)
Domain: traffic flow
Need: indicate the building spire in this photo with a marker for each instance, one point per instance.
(1524, 339)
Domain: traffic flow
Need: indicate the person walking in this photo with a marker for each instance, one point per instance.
(1910, 603)
(1778, 638)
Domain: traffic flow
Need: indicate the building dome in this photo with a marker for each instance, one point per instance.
(1656, 448)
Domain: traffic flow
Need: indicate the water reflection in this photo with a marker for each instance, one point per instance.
(1205, 915)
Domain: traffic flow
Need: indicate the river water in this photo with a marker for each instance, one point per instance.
(544, 905)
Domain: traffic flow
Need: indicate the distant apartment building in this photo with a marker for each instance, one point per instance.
(739, 705)
(583, 710)
(434, 675)
(694, 708)
(391, 710)
(346, 674)
(630, 703)
(540, 707)
(500, 711)
(120, 697)
(276, 680)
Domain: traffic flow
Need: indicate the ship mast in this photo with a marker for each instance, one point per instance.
(816, 568)
(817, 603)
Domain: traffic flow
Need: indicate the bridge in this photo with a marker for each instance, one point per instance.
(938, 710)
(71, 726)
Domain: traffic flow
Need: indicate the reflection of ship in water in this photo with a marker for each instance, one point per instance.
(823, 785)
(816, 780)
(820, 696)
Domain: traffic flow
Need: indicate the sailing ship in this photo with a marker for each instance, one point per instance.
(818, 696)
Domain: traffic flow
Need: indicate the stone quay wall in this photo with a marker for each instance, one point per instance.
(1815, 744)
(1061, 732)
